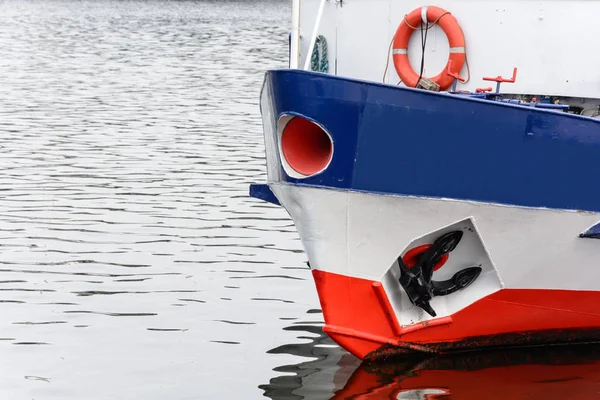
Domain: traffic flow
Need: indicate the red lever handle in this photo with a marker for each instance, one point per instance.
(501, 79)
(452, 74)
(483, 90)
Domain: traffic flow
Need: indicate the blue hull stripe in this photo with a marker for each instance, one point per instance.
(404, 141)
(263, 192)
(592, 233)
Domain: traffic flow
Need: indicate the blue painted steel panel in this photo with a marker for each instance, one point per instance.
(337, 111)
(263, 192)
(592, 233)
(398, 140)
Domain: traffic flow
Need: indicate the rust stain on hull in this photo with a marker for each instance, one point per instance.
(390, 352)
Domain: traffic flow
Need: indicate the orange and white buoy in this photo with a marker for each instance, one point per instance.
(456, 40)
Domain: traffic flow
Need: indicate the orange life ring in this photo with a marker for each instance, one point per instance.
(456, 40)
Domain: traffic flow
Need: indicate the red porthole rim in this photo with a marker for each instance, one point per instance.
(282, 122)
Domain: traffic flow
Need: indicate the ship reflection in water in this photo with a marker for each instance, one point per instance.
(553, 372)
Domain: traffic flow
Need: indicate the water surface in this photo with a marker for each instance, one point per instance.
(133, 263)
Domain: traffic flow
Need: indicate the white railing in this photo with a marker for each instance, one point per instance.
(314, 35)
(295, 39)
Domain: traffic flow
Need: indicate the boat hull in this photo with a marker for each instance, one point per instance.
(409, 166)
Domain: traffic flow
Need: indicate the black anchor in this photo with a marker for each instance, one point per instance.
(417, 282)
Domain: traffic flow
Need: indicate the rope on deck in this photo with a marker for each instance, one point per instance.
(319, 61)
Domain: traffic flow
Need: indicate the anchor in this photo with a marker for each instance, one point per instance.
(417, 279)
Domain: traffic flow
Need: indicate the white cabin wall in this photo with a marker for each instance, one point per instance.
(551, 42)
(362, 49)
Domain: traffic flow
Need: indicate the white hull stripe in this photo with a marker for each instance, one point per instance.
(361, 235)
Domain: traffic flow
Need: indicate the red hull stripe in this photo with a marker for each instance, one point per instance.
(359, 317)
(384, 302)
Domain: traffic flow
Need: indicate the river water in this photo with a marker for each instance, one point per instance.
(134, 265)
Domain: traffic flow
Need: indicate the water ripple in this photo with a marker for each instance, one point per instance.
(130, 133)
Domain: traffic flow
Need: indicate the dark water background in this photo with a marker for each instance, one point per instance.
(133, 264)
